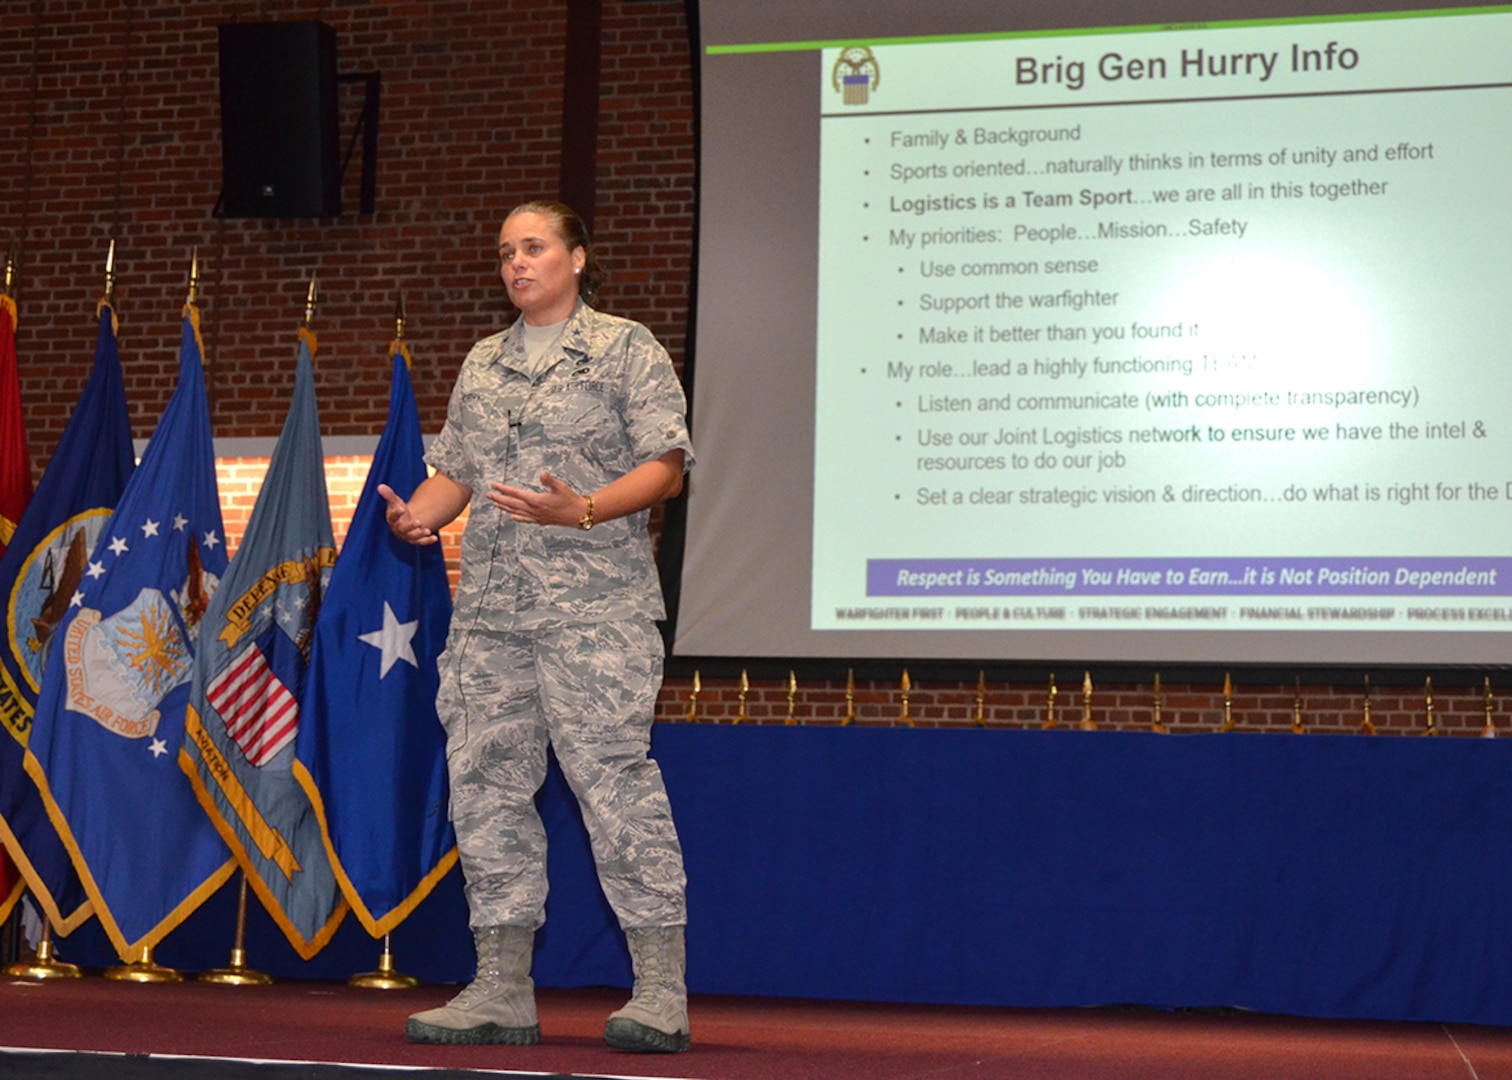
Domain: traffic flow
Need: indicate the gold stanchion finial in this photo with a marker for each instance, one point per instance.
(1049, 705)
(238, 973)
(309, 318)
(850, 698)
(385, 978)
(1366, 726)
(109, 273)
(745, 687)
(981, 700)
(1489, 731)
(10, 271)
(904, 718)
(44, 965)
(1157, 707)
(398, 314)
(193, 297)
(692, 714)
(792, 696)
(1432, 728)
(1086, 720)
(1297, 728)
(1228, 703)
(143, 971)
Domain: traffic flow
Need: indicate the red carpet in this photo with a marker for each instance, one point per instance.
(733, 1038)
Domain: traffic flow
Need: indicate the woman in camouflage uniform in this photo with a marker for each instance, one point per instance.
(562, 432)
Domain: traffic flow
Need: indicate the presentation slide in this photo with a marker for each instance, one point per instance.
(1124, 343)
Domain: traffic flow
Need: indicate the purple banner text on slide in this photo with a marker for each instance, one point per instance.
(1311, 576)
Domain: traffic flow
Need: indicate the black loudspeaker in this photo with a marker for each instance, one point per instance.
(280, 121)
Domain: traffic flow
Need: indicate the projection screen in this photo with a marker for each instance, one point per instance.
(1020, 336)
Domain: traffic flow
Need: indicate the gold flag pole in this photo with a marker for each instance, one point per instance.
(238, 973)
(1432, 728)
(1228, 703)
(385, 978)
(309, 316)
(1297, 728)
(745, 686)
(143, 971)
(850, 698)
(1157, 705)
(1366, 725)
(692, 714)
(1086, 720)
(109, 274)
(981, 700)
(904, 718)
(1489, 731)
(1049, 705)
(792, 695)
(44, 965)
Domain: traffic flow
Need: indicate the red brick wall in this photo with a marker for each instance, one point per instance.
(128, 98)
(123, 142)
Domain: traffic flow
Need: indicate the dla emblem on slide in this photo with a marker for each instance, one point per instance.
(119, 668)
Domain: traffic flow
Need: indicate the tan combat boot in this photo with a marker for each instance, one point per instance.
(498, 1006)
(656, 1018)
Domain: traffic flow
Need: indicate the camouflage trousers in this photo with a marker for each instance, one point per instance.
(590, 691)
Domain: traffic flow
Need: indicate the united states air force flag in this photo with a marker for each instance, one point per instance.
(371, 751)
(110, 716)
(254, 651)
(42, 568)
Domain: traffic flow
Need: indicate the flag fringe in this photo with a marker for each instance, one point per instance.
(32, 881)
(8, 903)
(306, 949)
(376, 927)
(130, 952)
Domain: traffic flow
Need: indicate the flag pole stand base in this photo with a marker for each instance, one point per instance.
(238, 974)
(43, 966)
(143, 971)
(385, 978)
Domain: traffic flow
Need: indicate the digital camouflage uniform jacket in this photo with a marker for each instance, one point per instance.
(606, 400)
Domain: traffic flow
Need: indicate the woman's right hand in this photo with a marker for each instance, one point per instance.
(401, 522)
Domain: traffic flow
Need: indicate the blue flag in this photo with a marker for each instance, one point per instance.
(371, 751)
(42, 567)
(254, 653)
(110, 715)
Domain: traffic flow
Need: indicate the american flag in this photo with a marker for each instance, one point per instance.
(260, 713)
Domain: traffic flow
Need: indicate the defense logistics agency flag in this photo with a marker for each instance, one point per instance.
(39, 573)
(371, 751)
(111, 713)
(254, 650)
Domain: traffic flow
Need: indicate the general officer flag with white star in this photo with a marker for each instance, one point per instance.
(245, 712)
(110, 716)
(39, 573)
(371, 750)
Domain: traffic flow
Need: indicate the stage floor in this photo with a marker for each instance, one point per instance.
(319, 1030)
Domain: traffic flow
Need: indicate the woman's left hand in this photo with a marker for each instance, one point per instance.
(557, 505)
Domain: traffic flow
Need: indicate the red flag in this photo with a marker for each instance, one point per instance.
(15, 460)
(15, 493)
